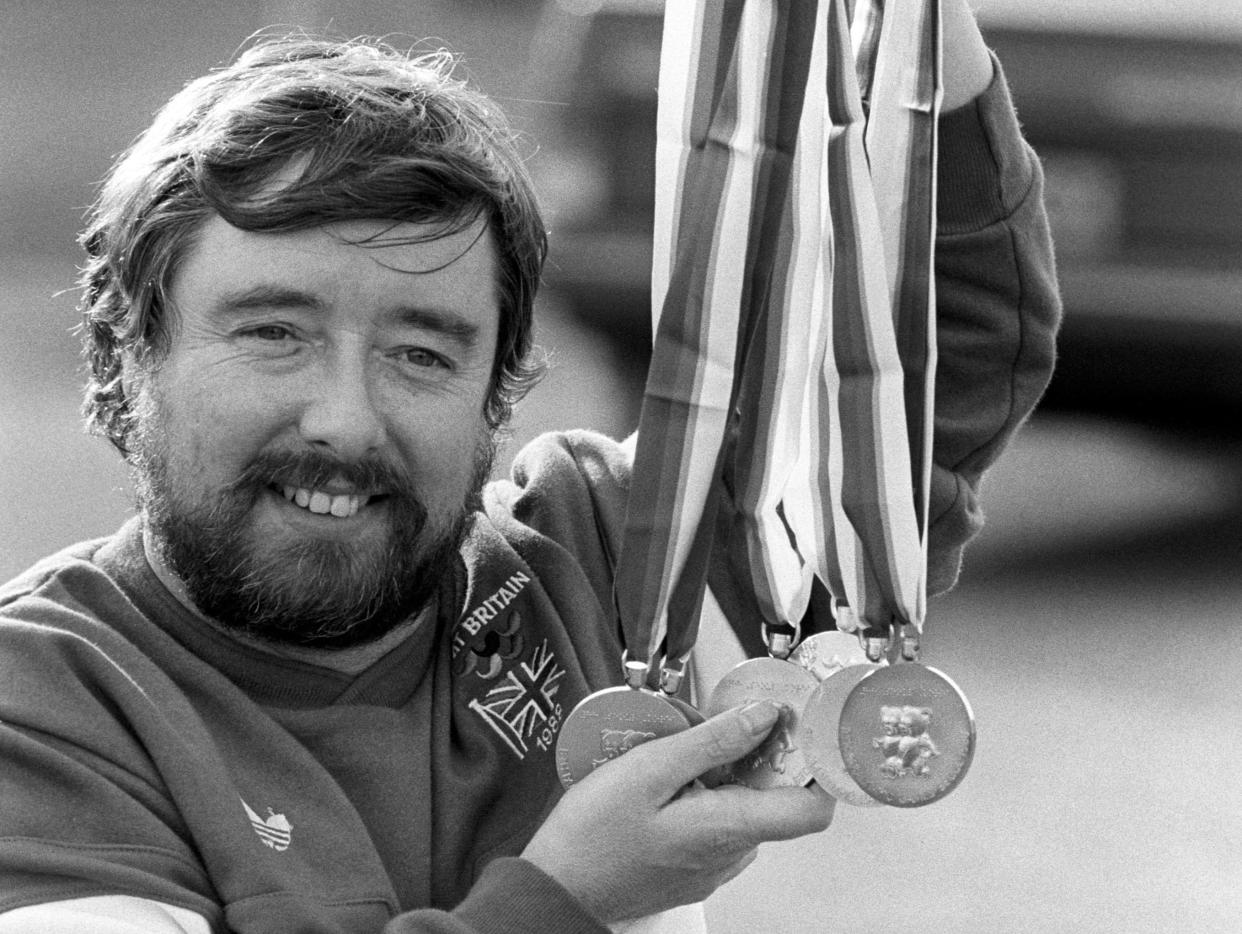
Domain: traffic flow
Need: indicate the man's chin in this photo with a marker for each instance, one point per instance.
(314, 592)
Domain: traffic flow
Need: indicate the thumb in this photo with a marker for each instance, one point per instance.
(681, 758)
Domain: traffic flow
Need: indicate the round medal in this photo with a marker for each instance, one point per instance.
(693, 715)
(713, 777)
(820, 720)
(907, 734)
(826, 653)
(611, 722)
(779, 760)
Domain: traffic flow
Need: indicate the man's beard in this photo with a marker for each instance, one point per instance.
(313, 592)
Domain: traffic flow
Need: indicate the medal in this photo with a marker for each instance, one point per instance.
(906, 734)
(826, 653)
(611, 722)
(820, 722)
(779, 761)
(839, 661)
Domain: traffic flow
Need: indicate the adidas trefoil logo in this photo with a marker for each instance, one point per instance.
(274, 830)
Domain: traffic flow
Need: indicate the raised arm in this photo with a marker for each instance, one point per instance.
(998, 306)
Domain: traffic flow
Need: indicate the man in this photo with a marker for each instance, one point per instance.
(314, 685)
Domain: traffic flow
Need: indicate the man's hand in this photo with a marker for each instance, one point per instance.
(636, 836)
(967, 65)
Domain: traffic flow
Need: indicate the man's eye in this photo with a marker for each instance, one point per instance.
(270, 332)
(421, 356)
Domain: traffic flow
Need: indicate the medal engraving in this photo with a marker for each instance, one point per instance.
(610, 723)
(907, 734)
(826, 653)
(820, 727)
(779, 760)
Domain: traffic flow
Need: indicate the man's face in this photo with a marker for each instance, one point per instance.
(308, 451)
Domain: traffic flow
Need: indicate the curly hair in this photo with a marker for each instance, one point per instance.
(370, 133)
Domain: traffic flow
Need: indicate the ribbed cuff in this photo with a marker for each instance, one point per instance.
(512, 896)
(985, 167)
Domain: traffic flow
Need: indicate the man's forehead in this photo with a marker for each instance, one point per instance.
(399, 246)
(385, 261)
(406, 246)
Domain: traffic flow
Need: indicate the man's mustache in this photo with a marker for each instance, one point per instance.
(311, 469)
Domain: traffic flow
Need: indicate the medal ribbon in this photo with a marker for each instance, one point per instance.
(769, 237)
(853, 507)
(879, 369)
(726, 129)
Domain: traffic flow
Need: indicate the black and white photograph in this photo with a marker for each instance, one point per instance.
(634, 466)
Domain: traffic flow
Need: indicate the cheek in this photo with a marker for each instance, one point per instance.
(213, 428)
(441, 456)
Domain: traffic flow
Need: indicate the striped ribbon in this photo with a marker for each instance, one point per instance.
(880, 362)
(777, 318)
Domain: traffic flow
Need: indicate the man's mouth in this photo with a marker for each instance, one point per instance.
(340, 505)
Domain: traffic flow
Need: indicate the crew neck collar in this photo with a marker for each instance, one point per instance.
(350, 661)
(276, 677)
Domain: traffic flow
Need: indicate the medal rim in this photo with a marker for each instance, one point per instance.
(834, 779)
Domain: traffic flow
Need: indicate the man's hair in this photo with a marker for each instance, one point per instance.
(368, 132)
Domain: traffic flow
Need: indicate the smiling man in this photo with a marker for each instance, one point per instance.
(314, 685)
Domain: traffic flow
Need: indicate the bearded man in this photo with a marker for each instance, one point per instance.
(311, 685)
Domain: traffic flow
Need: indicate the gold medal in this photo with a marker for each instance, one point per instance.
(779, 760)
(611, 722)
(906, 734)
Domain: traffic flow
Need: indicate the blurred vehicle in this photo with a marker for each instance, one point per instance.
(1140, 130)
(1141, 137)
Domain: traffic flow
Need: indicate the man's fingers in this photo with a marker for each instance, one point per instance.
(727, 822)
(674, 761)
(781, 813)
(719, 826)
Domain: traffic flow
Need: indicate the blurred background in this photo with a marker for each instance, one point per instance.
(1096, 625)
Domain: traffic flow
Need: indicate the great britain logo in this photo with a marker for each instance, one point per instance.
(520, 705)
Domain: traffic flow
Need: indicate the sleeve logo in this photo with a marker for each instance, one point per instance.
(274, 830)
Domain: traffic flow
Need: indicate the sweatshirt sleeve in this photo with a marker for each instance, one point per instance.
(511, 896)
(998, 310)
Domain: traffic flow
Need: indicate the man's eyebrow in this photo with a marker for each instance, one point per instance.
(450, 324)
(269, 296)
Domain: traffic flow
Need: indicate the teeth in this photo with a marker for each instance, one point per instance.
(323, 504)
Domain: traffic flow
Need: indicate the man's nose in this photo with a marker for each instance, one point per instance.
(340, 411)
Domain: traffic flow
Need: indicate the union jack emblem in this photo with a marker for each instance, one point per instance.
(524, 700)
